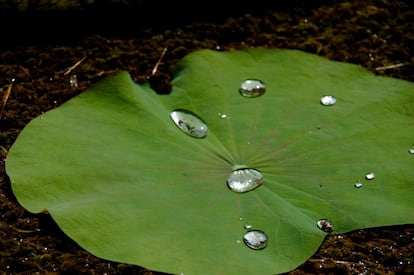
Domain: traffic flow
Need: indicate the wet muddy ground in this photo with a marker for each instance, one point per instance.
(44, 64)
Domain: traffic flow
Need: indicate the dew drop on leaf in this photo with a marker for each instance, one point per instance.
(222, 115)
(358, 185)
(325, 225)
(189, 123)
(255, 239)
(252, 88)
(328, 100)
(244, 179)
(247, 226)
(370, 176)
(411, 150)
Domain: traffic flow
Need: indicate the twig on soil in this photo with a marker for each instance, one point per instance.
(3, 152)
(351, 266)
(155, 69)
(394, 66)
(6, 97)
(76, 65)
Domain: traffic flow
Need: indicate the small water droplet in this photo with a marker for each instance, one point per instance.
(328, 100)
(244, 179)
(223, 116)
(411, 150)
(189, 123)
(252, 88)
(358, 185)
(73, 81)
(325, 225)
(370, 176)
(371, 56)
(247, 226)
(255, 239)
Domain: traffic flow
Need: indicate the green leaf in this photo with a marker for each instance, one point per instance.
(128, 185)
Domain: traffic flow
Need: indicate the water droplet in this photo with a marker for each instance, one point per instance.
(189, 123)
(328, 100)
(358, 185)
(325, 225)
(252, 88)
(371, 56)
(370, 176)
(247, 226)
(223, 116)
(411, 150)
(255, 239)
(73, 81)
(244, 179)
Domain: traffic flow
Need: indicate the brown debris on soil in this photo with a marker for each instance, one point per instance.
(47, 70)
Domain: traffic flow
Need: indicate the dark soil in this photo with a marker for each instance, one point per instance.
(41, 53)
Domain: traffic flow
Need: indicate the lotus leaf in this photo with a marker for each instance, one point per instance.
(122, 180)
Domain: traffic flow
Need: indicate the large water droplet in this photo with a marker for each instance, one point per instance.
(325, 225)
(370, 176)
(328, 100)
(252, 88)
(189, 123)
(411, 150)
(255, 239)
(244, 179)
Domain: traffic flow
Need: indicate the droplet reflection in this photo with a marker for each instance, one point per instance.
(189, 123)
(252, 88)
(255, 239)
